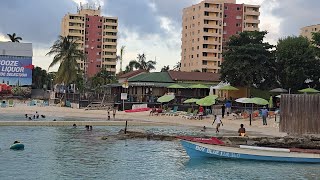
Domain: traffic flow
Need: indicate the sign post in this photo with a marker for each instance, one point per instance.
(124, 96)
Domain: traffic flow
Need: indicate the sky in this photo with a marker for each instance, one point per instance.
(152, 27)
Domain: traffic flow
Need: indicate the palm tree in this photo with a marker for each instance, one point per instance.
(121, 56)
(66, 52)
(14, 38)
(141, 63)
(177, 66)
(165, 68)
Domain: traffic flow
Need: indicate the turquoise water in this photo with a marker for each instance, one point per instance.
(67, 153)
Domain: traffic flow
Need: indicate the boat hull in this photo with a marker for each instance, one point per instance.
(17, 146)
(200, 150)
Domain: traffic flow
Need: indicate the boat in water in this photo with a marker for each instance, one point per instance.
(215, 148)
(17, 146)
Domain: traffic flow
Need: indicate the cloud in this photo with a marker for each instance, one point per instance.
(295, 14)
(33, 20)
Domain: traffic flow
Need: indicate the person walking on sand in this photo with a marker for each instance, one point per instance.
(264, 113)
(217, 119)
(108, 114)
(223, 110)
(114, 113)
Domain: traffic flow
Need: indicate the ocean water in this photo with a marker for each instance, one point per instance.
(67, 153)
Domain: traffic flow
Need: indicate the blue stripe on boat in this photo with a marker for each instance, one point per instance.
(195, 151)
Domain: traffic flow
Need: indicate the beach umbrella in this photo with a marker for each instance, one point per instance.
(228, 88)
(198, 86)
(192, 100)
(176, 86)
(240, 100)
(207, 101)
(279, 90)
(309, 90)
(257, 101)
(165, 98)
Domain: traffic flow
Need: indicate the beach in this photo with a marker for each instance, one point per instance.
(99, 118)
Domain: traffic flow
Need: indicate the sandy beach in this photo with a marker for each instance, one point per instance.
(99, 118)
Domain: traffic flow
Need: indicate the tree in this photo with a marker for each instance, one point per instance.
(121, 56)
(39, 78)
(165, 68)
(177, 66)
(248, 61)
(141, 63)
(66, 53)
(102, 78)
(296, 62)
(14, 38)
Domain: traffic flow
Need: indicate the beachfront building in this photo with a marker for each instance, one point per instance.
(308, 30)
(96, 36)
(207, 26)
(15, 67)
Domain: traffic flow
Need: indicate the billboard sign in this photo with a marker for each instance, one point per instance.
(16, 70)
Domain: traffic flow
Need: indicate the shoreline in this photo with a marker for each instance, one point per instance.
(99, 117)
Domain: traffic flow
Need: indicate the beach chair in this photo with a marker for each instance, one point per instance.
(193, 115)
(11, 104)
(166, 111)
(183, 114)
(174, 111)
(3, 104)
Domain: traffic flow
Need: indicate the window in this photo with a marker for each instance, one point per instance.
(204, 62)
(192, 17)
(205, 46)
(225, 16)
(86, 52)
(186, 27)
(226, 7)
(204, 54)
(198, 54)
(100, 20)
(98, 39)
(192, 48)
(99, 26)
(238, 24)
(87, 25)
(206, 22)
(191, 56)
(206, 13)
(238, 8)
(87, 19)
(87, 39)
(197, 47)
(98, 46)
(206, 5)
(198, 39)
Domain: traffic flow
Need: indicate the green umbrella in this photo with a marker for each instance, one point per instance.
(199, 86)
(176, 86)
(309, 90)
(228, 88)
(165, 98)
(207, 101)
(192, 100)
(258, 101)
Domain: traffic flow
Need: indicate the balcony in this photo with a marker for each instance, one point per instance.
(109, 43)
(109, 56)
(252, 21)
(252, 13)
(212, 17)
(110, 30)
(110, 23)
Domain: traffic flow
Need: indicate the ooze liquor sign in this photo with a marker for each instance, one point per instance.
(13, 68)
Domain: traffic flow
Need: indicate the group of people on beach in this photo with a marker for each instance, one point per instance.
(34, 116)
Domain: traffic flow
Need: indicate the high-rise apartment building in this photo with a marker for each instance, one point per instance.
(97, 37)
(308, 30)
(207, 26)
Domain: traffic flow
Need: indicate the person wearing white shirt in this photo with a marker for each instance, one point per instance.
(217, 119)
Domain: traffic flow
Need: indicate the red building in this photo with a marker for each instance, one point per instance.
(96, 36)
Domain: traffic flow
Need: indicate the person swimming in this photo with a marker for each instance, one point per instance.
(43, 116)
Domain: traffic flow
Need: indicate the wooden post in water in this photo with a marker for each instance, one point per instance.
(125, 129)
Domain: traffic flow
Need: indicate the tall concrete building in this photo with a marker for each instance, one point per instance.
(308, 30)
(97, 37)
(207, 26)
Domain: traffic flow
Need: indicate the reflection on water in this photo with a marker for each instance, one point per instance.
(67, 153)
